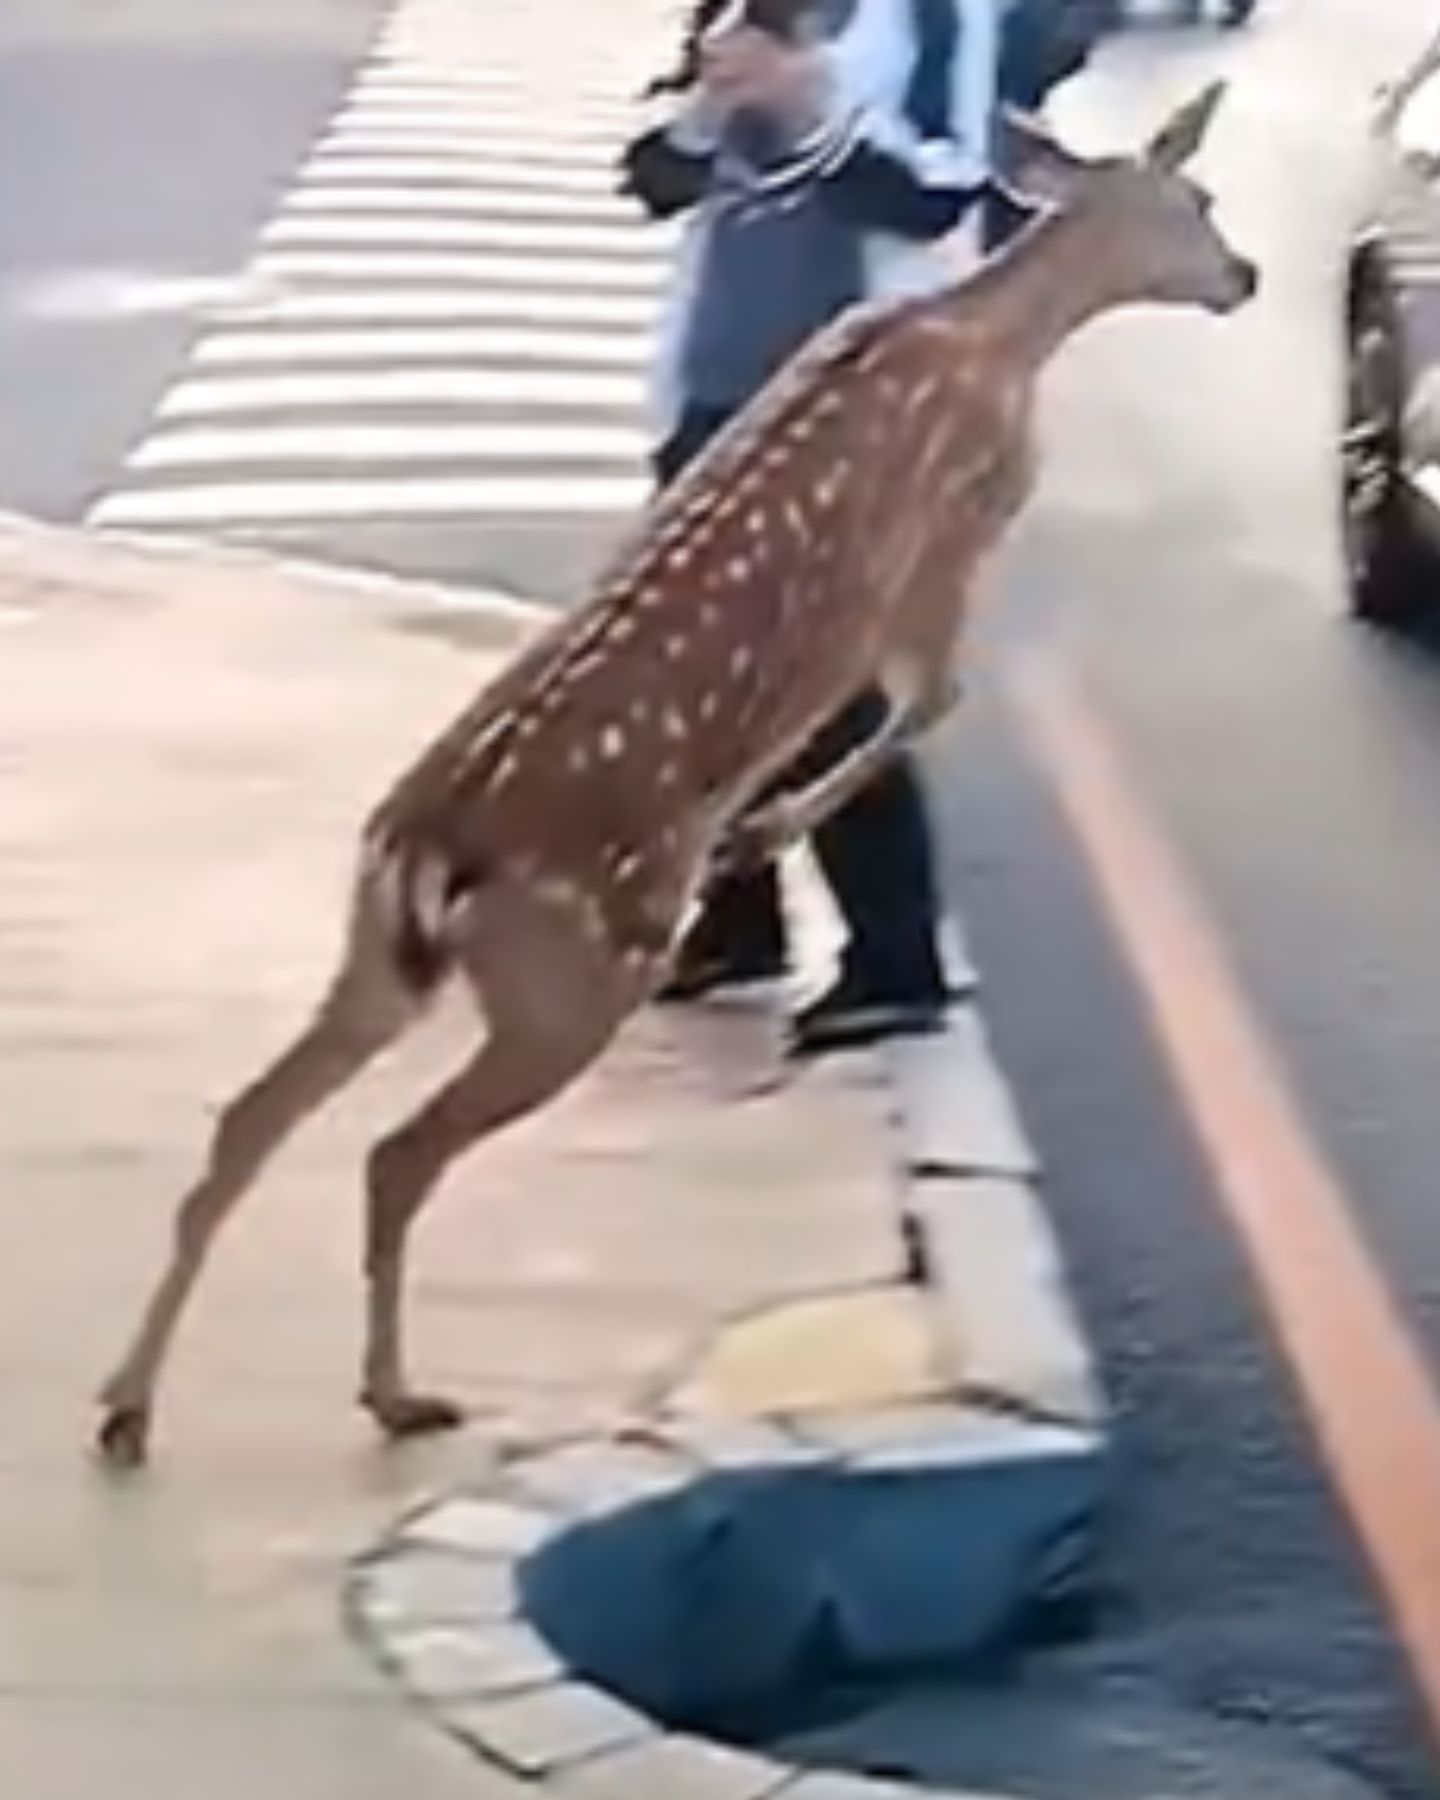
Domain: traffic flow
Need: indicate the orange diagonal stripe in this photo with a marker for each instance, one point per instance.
(1364, 1381)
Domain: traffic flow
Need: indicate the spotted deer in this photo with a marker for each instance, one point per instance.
(546, 847)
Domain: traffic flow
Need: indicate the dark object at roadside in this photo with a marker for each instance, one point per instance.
(1390, 447)
(1046, 42)
(1042, 44)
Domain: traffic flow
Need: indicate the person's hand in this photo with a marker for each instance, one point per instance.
(744, 68)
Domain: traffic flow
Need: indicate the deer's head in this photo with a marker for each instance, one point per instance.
(1161, 227)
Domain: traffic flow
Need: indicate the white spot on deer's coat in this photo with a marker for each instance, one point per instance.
(742, 659)
(578, 761)
(672, 723)
(676, 646)
(557, 888)
(612, 743)
(827, 488)
(738, 568)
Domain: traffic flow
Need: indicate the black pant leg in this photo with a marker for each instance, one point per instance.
(878, 858)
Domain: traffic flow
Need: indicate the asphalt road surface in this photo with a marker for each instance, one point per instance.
(1178, 580)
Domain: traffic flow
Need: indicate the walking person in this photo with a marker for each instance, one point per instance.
(822, 149)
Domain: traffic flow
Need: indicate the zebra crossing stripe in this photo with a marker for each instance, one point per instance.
(458, 345)
(447, 104)
(342, 163)
(412, 306)
(618, 240)
(306, 502)
(401, 387)
(417, 202)
(200, 447)
(517, 140)
(459, 266)
(448, 317)
(426, 83)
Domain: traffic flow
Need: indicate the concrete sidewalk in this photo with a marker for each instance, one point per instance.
(187, 743)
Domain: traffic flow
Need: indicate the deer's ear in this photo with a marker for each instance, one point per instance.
(1181, 136)
(1035, 163)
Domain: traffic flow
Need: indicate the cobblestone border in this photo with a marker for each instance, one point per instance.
(444, 1603)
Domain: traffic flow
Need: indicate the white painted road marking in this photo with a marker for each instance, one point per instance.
(219, 446)
(618, 240)
(480, 169)
(450, 314)
(288, 503)
(477, 197)
(416, 305)
(459, 265)
(453, 344)
(399, 387)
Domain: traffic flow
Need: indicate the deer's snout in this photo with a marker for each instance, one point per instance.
(1242, 284)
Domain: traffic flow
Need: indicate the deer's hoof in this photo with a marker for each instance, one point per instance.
(416, 1415)
(123, 1439)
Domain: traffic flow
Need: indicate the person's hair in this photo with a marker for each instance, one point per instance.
(782, 18)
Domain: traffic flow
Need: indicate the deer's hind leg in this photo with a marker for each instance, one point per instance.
(369, 1003)
(553, 989)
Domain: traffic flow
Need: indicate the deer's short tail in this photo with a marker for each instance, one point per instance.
(418, 899)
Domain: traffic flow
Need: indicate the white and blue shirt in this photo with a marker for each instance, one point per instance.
(854, 211)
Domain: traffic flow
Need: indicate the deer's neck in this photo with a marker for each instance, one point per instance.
(1063, 271)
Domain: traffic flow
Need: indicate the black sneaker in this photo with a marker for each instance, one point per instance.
(702, 972)
(848, 1016)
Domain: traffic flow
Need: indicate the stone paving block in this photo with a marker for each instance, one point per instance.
(839, 1351)
(737, 1443)
(1007, 1317)
(944, 1437)
(540, 1732)
(480, 1527)
(910, 1431)
(675, 1768)
(418, 1586)
(594, 1477)
(830, 1784)
(953, 1108)
(450, 1662)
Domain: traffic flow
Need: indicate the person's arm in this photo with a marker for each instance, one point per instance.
(920, 184)
(880, 191)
